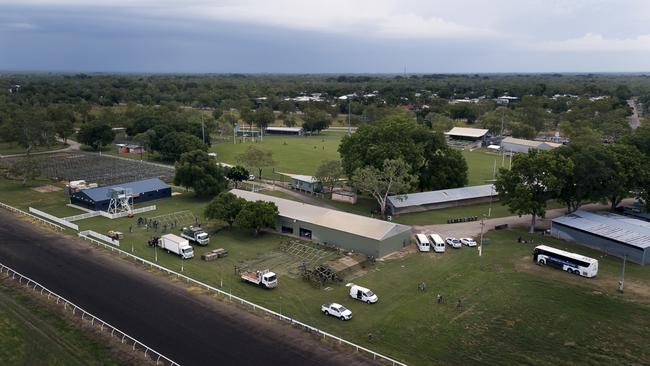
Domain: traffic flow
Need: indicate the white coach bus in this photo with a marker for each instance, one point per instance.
(566, 261)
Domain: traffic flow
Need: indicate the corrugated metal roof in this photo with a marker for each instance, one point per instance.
(611, 226)
(300, 177)
(336, 220)
(529, 143)
(138, 187)
(285, 129)
(467, 132)
(445, 195)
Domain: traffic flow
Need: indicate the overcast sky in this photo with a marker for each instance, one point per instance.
(335, 36)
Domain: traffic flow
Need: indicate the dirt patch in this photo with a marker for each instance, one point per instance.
(46, 189)
(400, 253)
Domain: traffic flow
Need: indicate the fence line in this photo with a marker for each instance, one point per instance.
(115, 332)
(242, 301)
(82, 216)
(21, 212)
(54, 218)
(127, 213)
(99, 236)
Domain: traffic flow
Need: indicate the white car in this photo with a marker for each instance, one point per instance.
(468, 241)
(453, 242)
(336, 310)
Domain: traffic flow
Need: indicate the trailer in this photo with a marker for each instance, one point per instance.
(214, 254)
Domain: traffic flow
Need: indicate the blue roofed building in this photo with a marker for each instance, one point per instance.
(141, 191)
(433, 200)
(607, 232)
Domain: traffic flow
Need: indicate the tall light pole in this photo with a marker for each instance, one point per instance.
(480, 245)
(349, 116)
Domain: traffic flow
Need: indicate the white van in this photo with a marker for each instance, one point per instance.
(437, 243)
(362, 294)
(423, 242)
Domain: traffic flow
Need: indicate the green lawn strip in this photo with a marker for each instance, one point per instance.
(31, 335)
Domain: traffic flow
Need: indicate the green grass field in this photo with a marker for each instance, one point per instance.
(513, 312)
(30, 335)
(303, 155)
(9, 148)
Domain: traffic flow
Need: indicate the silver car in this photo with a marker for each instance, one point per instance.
(453, 242)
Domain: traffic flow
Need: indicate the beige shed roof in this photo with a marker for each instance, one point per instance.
(333, 219)
(467, 132)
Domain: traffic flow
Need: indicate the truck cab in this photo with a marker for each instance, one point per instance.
(362, 294)
(269, 280)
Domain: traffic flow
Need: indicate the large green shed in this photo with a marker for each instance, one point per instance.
(357, 233)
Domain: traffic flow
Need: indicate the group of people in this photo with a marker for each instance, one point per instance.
(422, 287)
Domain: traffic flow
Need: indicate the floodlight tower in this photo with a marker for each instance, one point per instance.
(121, 200)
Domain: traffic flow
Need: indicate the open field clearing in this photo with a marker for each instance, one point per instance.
(511, 311)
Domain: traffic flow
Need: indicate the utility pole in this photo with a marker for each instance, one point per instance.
(480, 245)
(202, 128)
(349, 116)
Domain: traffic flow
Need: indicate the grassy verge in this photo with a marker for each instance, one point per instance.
(31, 335)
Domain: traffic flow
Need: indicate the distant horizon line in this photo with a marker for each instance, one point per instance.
(263, 73)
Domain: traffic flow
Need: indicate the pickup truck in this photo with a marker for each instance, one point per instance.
(195, 234)
(336, 310)
(264, 278)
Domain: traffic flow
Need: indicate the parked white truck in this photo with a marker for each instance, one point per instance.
(264, 278)
(336, 310)
(177, 245)
(195, 234)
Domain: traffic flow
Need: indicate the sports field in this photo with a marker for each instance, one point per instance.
(511, 311)
(303, 154)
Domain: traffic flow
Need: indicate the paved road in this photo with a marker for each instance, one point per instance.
(190, 329)
(473, 229)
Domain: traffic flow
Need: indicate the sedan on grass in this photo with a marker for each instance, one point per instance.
(468, 241)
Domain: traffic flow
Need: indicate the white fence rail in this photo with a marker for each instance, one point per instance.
(99, 236)
(58, 220)
(253, 306)
(124, 214)
(82, 216)
(76, 310)
(21, 212)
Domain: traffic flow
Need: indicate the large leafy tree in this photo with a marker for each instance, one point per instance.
(532, 181)
(226, 206)
(329, 173)
(257, 216)
(394, 178)
(96, 135)
(237, 174)
(254, 158)
(174, 144)
(197, 170)
(25, 169)
(398, 136)
(628, 173)
(316, 120)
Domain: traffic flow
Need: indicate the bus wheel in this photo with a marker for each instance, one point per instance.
(569, 270)
(541, 262)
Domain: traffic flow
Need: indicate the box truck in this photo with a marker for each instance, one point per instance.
(177, 245)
